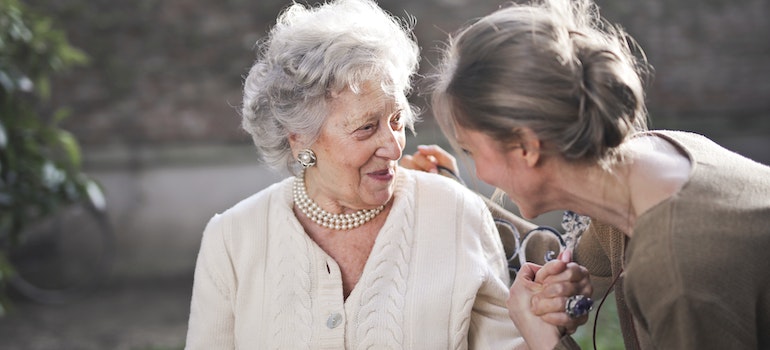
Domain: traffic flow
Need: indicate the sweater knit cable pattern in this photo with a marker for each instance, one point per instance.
(463, 325)
(291, 309)
(461, 331)
(382, 304)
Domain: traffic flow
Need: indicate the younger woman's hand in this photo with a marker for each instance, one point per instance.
(561, 279)
(428, 158)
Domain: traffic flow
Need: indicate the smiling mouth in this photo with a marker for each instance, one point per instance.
(382, 174)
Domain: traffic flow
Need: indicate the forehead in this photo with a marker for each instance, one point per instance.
(477, 139)
(462, 135)
(370, 101)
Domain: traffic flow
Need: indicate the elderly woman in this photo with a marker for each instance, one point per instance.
(353, 251)
(548, 100)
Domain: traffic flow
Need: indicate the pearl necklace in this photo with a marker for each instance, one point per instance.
(329, 220)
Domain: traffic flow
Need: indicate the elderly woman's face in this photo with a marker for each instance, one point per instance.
(358, 150)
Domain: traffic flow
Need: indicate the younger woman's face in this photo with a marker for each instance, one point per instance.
(489, 161)
(505, 168)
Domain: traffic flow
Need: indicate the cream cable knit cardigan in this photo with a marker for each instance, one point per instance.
(435, 279)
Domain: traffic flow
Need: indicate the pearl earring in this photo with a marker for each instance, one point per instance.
(306, 158)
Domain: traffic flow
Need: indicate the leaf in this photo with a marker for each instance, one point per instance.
(43, 87)
(70, 146)
(52, 176)
(61, 114)
(73, 56)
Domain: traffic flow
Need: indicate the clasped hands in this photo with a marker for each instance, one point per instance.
(538, 296)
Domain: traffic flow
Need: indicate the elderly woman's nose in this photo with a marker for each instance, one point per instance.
(390, 146)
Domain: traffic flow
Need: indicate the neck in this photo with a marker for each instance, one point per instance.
(652, 171)
(602, 194)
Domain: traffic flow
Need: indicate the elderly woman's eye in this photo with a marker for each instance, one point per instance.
(467, 152)
(396, 120)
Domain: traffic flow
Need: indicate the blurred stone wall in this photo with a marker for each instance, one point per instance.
(169, 72)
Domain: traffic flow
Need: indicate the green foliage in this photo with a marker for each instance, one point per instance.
(608, 334)
(39, 161)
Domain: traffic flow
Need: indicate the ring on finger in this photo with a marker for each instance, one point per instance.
(578, 305)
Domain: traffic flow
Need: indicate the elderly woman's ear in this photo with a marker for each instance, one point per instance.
(293, 144)
(297, 143)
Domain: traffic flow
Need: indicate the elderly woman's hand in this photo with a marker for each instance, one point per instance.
(538, 333)
(561, 279)
(538, 296)
(428, 158)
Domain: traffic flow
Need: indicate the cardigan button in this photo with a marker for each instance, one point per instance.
(334, 320)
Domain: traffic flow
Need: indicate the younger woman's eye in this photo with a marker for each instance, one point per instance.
(467, 152)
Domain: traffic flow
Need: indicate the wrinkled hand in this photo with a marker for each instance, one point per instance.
(428, 158)
(559, 280)
(536, 331)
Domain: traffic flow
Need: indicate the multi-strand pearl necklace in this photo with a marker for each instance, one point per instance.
(333, 221)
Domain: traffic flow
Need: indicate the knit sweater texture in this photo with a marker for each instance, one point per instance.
(435, 278)
(695, 274)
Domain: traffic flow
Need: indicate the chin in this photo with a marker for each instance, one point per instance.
(528, 213)
(375, 197)
(383, 199)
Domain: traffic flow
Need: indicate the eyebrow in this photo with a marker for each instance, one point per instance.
(373, 115)
(354, 121)
(358, 119)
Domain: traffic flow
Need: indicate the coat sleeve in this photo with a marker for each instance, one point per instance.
(211, 323)
(593, 255)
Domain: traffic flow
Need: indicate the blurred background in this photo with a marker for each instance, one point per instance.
(155, 111)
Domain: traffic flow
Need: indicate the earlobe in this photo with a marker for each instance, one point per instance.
(532, 154)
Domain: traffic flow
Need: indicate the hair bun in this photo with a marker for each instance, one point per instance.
(610, 98)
